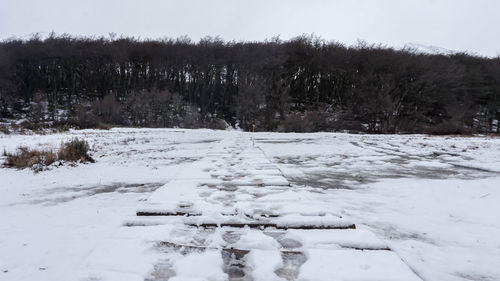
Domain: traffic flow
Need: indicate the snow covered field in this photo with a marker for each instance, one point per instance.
(424, 208)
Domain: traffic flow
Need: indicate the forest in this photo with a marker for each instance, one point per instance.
(305, 84)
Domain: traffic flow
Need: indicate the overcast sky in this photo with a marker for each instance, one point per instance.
(465, 25)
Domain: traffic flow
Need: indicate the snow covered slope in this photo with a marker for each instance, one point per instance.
(432, 50)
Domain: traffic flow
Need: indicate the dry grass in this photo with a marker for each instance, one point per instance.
(38, 160)
(30, 158)
(4, 129)
(75, 150)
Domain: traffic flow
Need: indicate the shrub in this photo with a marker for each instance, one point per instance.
(216, 124)
(38, 160)
(60, 126)
(30, 158)
(36, 127)
(449, 127)
(309, 121)
(4, 129)
(75, 150)
(102, 126)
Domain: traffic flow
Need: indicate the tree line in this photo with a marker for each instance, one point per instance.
(303, 84)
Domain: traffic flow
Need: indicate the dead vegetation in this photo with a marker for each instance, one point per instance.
(75, 150)
(4, 129)
(30, 158)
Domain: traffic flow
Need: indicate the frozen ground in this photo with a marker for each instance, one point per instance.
(425, 208)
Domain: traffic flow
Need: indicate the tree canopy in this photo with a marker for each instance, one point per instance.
(303, 84)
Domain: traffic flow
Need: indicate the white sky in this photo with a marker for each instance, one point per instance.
(464, 25)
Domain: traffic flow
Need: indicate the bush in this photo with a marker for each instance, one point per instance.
(30, 158)
(448, 127)
(38, 160)
(75, 150)
(309, 121)
(102, 126)
(216, 124)
(60, 126)
(4, 129)
(36, 127)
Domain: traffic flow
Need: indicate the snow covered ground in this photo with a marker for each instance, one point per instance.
(425, 208)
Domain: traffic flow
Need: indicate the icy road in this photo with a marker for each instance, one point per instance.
(165, 204)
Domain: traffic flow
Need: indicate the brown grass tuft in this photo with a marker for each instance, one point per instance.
(4, 129)
(73, 151)
(30, 158)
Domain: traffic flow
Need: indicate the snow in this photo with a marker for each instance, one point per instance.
(355, 265)
(207, 267)
(348, 238)
(297, 220)
(256, 240)
(264, 264)
(424, 49)
(425, 208)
